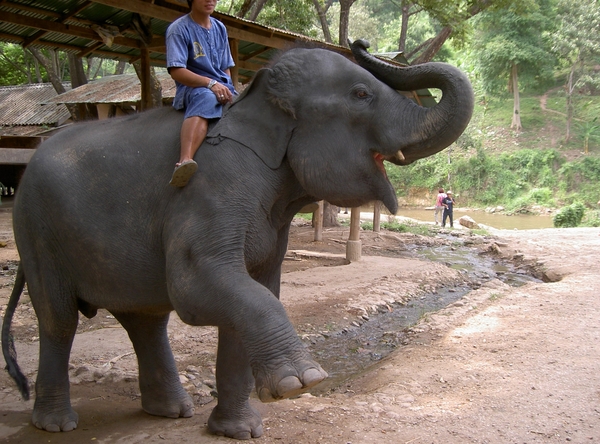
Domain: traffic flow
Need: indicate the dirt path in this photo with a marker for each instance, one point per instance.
(501, 365)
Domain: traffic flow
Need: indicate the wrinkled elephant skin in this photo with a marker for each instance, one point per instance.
(98, 226)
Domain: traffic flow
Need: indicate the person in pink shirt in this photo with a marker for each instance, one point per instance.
(439, 207)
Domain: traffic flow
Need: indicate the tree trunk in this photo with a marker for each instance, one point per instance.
(330, 213)
(569, 97)
(245, 8)
(48, 66)
(258, 6)
(84, 111)
(120, 68)
(155, 87)
(514, 81)
(54, 79)
(322, 13)
(404, 26)
(434, 46)
(345, 6)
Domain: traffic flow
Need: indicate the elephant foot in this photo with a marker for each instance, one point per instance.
(181, 406)
(288, 380)
(61, 420)
(244, 423)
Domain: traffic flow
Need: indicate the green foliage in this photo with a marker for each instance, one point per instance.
(13, 62)
(591, 219)
(513, 37)
(589, 131)
(517, 179)
(570, 216)
(393, 225)
(536, 196)
(291, 15)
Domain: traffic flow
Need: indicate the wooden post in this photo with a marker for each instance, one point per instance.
(234, 46)
(376, 216)
(354, 246)
(319, 222)
(146, 102)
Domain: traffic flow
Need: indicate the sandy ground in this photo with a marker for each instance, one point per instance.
(501, 365)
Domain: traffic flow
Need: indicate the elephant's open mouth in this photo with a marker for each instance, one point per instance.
(397, 159)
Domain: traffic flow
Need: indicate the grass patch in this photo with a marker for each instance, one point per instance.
(398, 227)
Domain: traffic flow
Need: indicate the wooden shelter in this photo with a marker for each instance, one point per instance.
(134, 30)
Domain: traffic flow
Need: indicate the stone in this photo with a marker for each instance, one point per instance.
(467, 221)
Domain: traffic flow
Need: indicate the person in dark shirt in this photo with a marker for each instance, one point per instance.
(448, 203)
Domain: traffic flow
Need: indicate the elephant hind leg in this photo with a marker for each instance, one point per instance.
(233, 416)
(162, 393)
(52, 410)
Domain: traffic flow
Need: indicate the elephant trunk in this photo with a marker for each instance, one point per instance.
(425, 131)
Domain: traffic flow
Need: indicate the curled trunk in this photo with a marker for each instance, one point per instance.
(426, 131)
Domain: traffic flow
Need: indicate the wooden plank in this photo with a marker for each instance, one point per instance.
(159, 12)
(15, 156)
(77, 31)
(21, 141)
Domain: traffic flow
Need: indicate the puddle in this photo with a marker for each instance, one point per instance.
(349, 352)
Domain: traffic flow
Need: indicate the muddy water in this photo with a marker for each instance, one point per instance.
(353, 350)
(499, 221)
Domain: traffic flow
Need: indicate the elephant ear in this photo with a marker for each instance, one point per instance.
(257, 121)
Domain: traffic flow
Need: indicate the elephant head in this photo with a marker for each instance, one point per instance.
(336, 122)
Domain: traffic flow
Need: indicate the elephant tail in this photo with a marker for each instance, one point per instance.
(8, 344)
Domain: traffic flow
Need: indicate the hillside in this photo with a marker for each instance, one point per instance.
(493, 165)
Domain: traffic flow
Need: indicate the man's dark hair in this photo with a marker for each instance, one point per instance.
(190, 3)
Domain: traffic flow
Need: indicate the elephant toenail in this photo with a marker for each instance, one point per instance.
(288, 384)
(265, 395)
(313, 376)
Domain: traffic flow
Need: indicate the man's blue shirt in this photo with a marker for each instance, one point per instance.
(203, 51)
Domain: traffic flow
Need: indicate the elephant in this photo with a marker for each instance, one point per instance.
(97, 225)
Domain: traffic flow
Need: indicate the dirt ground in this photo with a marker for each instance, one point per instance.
(503, 364)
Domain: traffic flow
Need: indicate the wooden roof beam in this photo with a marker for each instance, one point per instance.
(38, 35)
(144, 8)
(76, 31)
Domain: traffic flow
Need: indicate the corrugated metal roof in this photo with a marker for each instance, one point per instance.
(26, 105)
(124, 88)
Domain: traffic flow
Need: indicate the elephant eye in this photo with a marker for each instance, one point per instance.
(361, 92)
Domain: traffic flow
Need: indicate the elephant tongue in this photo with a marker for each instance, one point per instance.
(379, 161)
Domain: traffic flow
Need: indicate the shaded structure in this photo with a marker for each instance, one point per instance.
(115, 95)
(134, 31)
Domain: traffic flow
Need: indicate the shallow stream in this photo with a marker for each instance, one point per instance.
(349, 352)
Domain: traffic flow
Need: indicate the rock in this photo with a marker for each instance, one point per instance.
(467, 221)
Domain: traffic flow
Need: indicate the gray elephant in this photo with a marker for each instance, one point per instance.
(97, 226)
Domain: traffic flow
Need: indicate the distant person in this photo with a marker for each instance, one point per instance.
(448, 203)
(439, 207)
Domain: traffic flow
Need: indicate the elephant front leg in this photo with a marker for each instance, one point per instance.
(233, 416)
(162, 393)
(281, 364)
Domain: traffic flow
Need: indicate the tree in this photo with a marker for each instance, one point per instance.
(291, 15)
(450, 18)
(14, 65)
(322, 9)
(345, 6)
(510, 49)
(576, 43)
